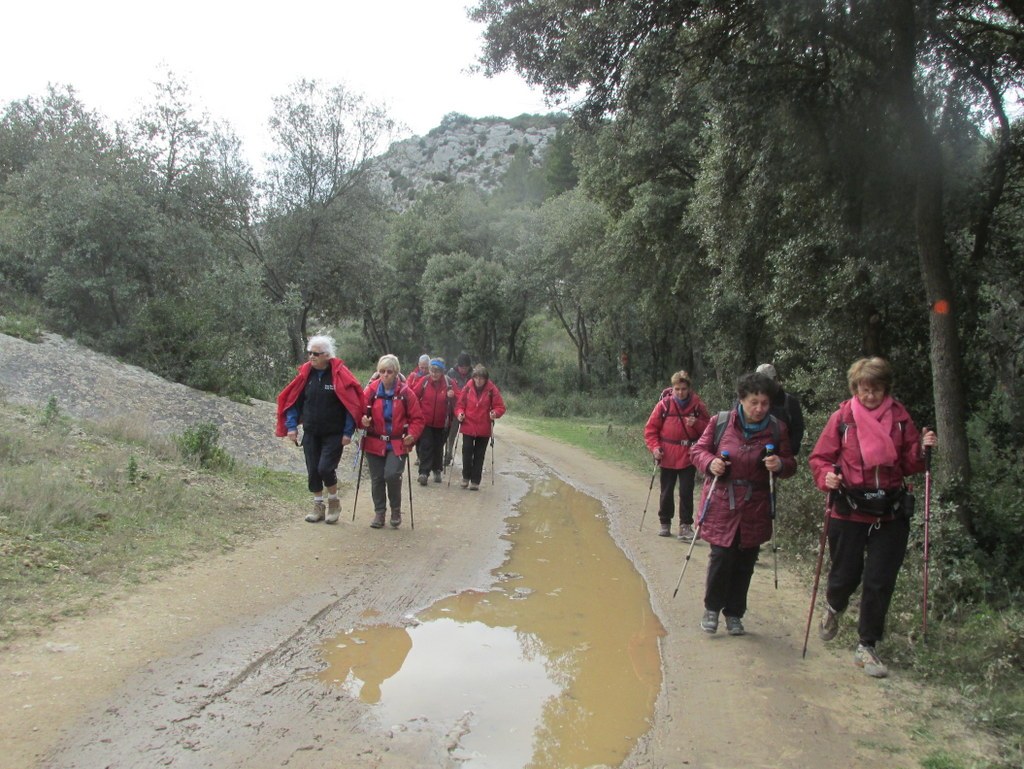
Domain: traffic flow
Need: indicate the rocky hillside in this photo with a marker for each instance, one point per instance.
(475, 151)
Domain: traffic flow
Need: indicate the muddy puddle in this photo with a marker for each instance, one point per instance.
(557, 665)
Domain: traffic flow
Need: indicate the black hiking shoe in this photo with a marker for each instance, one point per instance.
(378, 520)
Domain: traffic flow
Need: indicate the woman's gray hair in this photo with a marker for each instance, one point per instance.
(324, 341)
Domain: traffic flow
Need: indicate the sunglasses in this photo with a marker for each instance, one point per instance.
(315, 354)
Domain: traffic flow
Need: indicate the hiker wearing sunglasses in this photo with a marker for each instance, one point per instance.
(326, 399)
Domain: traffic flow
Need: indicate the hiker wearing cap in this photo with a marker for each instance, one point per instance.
(785, 407)
(326, 399)
(393, 423)
(422, 371)
(478, 405)
(675, 424)
(459, 376)
(736, 520)
(875, 445)
(437, 402)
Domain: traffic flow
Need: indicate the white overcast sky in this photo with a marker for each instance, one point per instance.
(410, 55)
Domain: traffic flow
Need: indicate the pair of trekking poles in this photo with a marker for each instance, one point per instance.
(829, 503)
(769, 450)
(359, 478)
(455, 447)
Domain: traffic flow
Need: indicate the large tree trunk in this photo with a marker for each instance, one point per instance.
(946, 356)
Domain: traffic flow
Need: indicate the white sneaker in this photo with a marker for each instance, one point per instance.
(866, 658)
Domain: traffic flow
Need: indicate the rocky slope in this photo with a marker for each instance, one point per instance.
(476, 151)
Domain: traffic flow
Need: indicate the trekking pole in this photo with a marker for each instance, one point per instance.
(700, 522)
(927, 520)
(492, 452)
(455, 447)
(359, 478)
(649, 490)
(829, 498)
(408, 472)
(768, 451)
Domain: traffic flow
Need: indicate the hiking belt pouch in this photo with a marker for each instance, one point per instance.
(879, 502)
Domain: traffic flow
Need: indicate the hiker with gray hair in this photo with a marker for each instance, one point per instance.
(785, 407)
(326, 399)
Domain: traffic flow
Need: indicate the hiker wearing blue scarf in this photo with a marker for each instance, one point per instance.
(738, 519)
(393, 423)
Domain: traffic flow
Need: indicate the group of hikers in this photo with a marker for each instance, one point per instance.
(862, 459)
(394, 413)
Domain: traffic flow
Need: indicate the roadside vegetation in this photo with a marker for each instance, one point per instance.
(88, 510)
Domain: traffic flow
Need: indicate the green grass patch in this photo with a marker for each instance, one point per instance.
(88, 510)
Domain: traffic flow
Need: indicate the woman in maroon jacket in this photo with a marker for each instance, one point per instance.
(738, 517)
(393, 423)
(875, 444)
(437, 401)
(479, 404)
(676, 423)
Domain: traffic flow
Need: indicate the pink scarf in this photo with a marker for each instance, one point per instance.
(874, 433)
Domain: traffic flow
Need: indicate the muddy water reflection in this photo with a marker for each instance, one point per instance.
(556, 666)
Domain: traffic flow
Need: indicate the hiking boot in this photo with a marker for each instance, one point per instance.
(378, 520)
(735, 626)
(866, 658)
(437, 476)
(666, 530)
(422, 480)
(464, 483)
(829, 624)
(318, 512)
(396, 519)
(474, 487)
(709, 622)
(333, 510)
(685, 532)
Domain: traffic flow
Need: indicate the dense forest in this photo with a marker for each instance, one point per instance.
(801, 182)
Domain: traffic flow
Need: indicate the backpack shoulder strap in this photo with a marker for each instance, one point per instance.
(721, 422)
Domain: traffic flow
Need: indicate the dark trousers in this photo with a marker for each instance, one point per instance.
(430, 449)
(474, 449)
(729, 572)
(386, 481)
(323, 453)
(872, 553)
(667, 507)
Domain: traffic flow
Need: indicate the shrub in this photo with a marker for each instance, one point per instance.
(199, 444)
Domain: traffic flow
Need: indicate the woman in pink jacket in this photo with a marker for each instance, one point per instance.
(874, 444)
(674, 426)
(479, 404)
(738, 517)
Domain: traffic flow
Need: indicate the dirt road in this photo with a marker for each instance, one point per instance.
(213, 665)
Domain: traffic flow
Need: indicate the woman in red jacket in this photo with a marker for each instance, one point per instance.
(479, 404)
(437, 401)
(393, 423)
(676, 423)
(875, 444)
(738, 518)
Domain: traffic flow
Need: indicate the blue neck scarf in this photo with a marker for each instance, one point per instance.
(750, 429)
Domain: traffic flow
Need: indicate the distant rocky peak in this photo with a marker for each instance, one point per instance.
(475, 151)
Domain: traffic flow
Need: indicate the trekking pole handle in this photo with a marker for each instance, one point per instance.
(927, 454)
